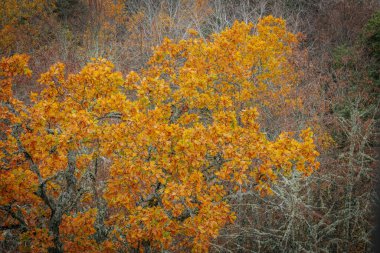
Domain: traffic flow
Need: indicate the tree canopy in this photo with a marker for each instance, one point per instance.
(99, 161)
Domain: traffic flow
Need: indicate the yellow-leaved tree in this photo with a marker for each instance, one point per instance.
(99, 162)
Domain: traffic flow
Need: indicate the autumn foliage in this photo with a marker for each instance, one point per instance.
(100, 162)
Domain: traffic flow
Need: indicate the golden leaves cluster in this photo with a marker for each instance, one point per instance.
(180, 136)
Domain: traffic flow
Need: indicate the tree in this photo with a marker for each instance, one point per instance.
(22, 24)
(170, 144)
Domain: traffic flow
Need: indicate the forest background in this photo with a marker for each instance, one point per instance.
(335, 94)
